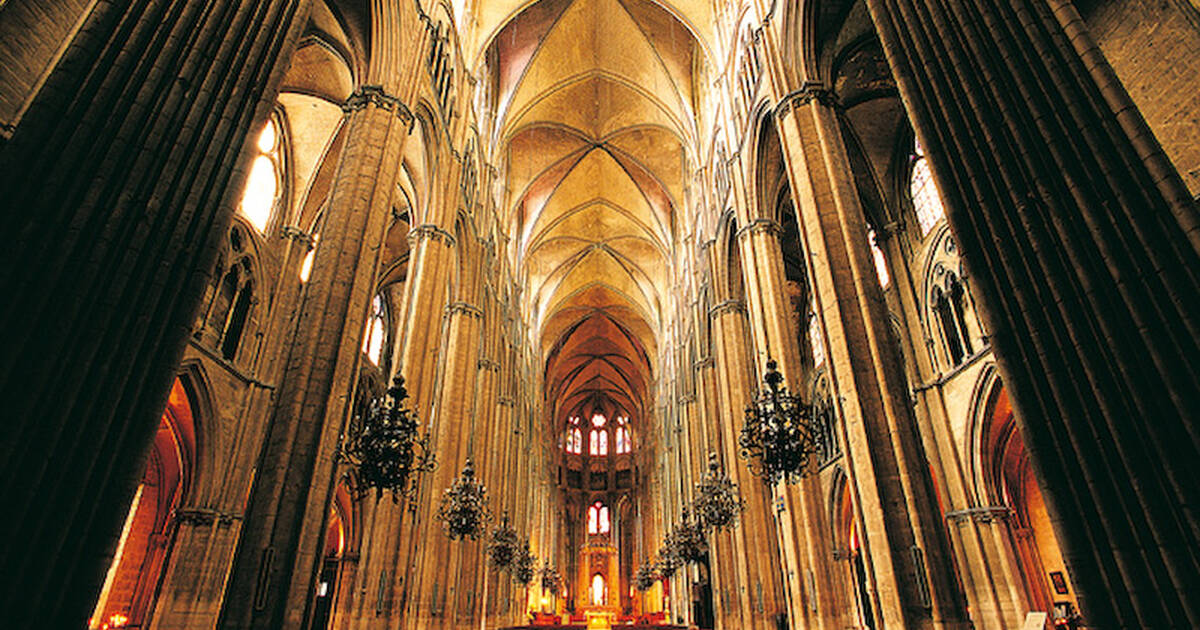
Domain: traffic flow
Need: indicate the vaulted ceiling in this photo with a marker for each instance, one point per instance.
(595, 111)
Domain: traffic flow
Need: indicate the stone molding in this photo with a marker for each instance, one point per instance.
(375, 95)
(431, 231)
(506, 401)
(983, 514)
(706, 362)
(728, 306)
(203, 517)
(809, 92)
(763, 225)
(296, 234)
(465, 309)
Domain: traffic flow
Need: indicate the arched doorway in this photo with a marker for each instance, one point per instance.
(133, 578)
(1011, 483)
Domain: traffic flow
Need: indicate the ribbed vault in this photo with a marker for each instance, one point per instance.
(595, 117)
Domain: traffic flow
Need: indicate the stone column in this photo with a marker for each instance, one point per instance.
(119, 182)
(802, 548)
(279, 554)
(904, 538)
(1082, 243)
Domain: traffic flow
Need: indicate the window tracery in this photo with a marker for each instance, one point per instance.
(949, 311)
(925, 198)
(262, 184)
(598, 519)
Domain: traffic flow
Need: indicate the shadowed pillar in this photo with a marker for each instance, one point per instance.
(1082, 245)
(118, 185)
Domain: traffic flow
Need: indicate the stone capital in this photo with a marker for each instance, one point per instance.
(761, 225)
(982, 514)
(433, 232)
(203, 517)
(375, 95)
(462, 308)
(728, 306)
(296, 234)
(809, 92)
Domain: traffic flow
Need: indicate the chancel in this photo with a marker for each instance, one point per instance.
(508, 314)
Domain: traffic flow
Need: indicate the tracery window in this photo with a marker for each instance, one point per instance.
(262, 185)
(825, 421)
(229, 299)
(623, 443)
(598, 520)
(816, 339)
(574, 440)
(949, 304)
(926, 200)
(598, 438)
(373, 341)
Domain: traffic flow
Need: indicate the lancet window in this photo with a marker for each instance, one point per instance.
(598, 439)
(262, 185)
(376, 331)
(925, 198)
(598, 519)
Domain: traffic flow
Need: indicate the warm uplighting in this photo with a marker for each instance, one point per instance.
(597, 590)
(262, 185)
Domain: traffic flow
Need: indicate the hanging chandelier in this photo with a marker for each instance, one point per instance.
(778, 439)
(551, 580)
(502, 544)
(668, 562)
(687, 539)
(645, 577)
(522, 565)
(464, 509)
(385, 448)
(718, 502)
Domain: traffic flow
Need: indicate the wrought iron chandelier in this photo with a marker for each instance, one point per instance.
(778, 439)
(464, 508)
(687, 539)
(551, 580)
(645, 577)
(718, 502)
(668, 562)
(502, 544)
(522, 565)
(385, 447)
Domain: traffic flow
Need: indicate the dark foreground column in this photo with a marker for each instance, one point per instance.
(1082, 243)
(116, 188)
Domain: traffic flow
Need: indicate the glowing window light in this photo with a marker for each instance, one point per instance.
(816, 340)
(926, 200)
(373, 342)
(307, 263)
(597, 590)
(262, 185)
(598, 443)
(599, 420)
(881, 270)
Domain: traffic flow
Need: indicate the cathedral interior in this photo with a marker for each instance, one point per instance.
(712, 314)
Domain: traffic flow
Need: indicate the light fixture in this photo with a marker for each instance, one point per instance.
(778, 439)
(502, 544)
(687, 540)
(385, 448)
(645, 577)
(551, 580)
(718, 502)
(464, 511)
(522, 565)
